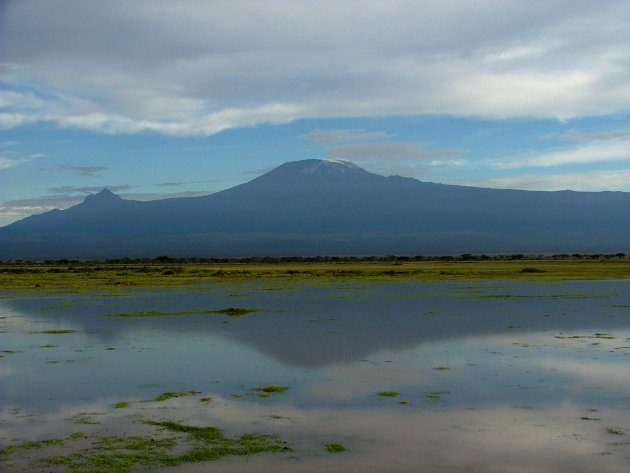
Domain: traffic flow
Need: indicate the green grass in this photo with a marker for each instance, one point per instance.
(168, 445)
(146, 313)
(116, 454)
(30, 445)
(211, 444)
(541, 296)
(234, 311)
(229, 311)
(602, 336)
(435, 395)
(83, 418)
(173, 394)
(121, 405)
(613, 431)
(334, 448)
(266, 391)
(388, 393)
(60, 332)
(605, 336)
(205, 434)
(91, 275)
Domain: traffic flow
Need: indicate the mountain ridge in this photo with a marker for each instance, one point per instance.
(328, 207)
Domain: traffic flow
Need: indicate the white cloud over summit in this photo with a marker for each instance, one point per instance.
(198, 68)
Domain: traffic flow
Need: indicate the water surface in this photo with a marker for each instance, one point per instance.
(482, 376)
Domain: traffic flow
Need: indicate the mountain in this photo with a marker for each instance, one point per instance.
(328, 207)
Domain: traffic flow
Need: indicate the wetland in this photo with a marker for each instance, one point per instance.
(386, 373)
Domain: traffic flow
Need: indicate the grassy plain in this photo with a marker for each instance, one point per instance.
(124, 453)
(86, 275)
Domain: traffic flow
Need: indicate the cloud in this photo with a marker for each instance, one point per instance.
(209, 124)
(14, 119)
(390, 150)
(15, 159)
(407, 158)
(193, 68)
(23, 207)
(260, 171)
(7, 144)
(613, 135)
(602, 148)
(387, 157)
(170, 184)
(86, 189)
(182, 183)
(153, 196)
(328, 137)
(587, 181)
(6, 163)
(80, 170)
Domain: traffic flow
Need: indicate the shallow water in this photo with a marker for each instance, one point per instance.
(490, 376)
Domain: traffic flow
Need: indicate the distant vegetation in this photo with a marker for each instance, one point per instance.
(167, 271)
(161, 260)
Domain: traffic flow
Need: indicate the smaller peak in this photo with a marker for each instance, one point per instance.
(104, 195)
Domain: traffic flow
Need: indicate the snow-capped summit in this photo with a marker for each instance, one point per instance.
(314, 174)
(316, 168)
(327, 166)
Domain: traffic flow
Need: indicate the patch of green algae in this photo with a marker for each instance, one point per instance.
(170, 444)
(229, 311)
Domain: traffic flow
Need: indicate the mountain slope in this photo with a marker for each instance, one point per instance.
(333, 207)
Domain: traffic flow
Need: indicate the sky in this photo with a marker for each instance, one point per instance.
(157, 99)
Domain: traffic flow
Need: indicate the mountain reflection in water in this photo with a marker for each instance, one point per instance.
(523, 375)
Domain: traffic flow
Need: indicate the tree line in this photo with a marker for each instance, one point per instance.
(165, 259)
